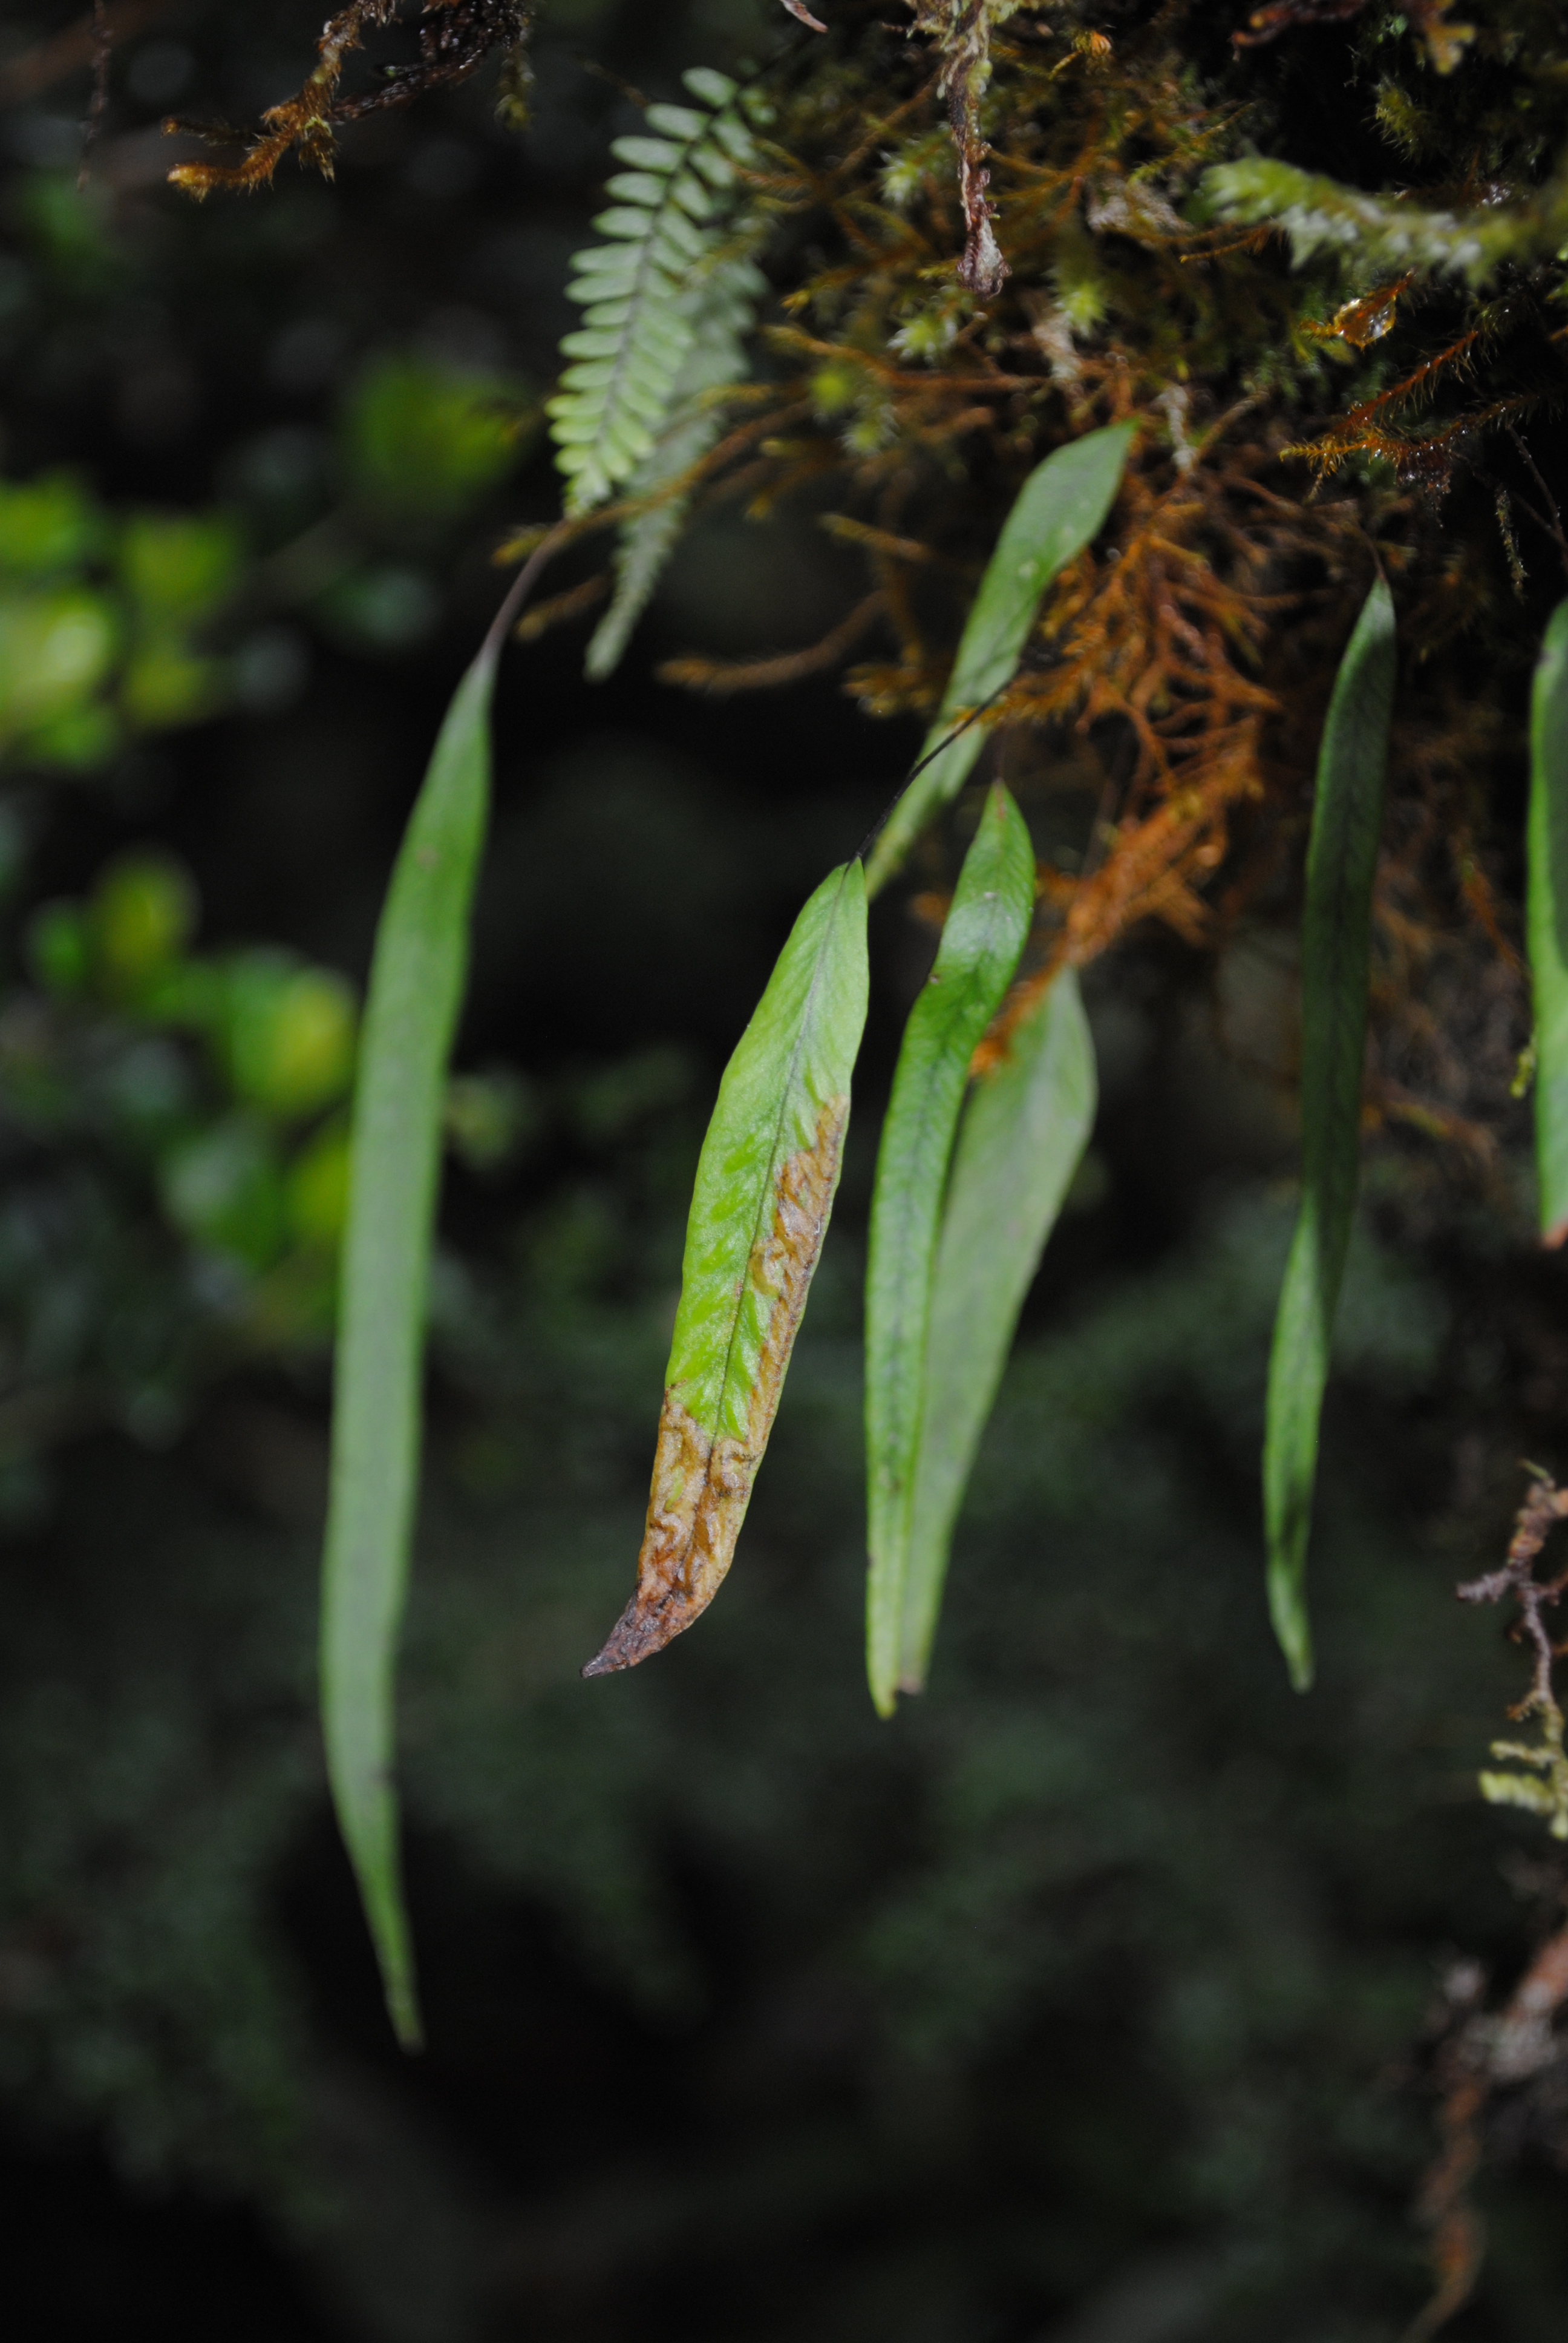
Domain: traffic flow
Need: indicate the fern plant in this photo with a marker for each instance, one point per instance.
(667, 303)
(721, 319)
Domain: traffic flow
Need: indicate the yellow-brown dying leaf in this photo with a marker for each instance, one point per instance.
(703, 1477)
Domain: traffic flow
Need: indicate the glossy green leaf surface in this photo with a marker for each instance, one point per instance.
(1336, 939)
(1547, 921)
(417, 979)
(765, 1185)
(984, 934)
(1024, 1129)
(1060, 509)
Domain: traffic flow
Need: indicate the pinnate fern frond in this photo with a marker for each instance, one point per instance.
(720, 321)
(643, 292)
(1375, 237)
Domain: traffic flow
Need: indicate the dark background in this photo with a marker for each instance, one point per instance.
(1091, 2000)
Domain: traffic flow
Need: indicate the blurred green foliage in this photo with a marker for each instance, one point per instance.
(192, 1105)
(115, 625)
(424, 442)
(102, 620)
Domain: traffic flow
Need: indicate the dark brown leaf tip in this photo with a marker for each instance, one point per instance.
(700, 1487)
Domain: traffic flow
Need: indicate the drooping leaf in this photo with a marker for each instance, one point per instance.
(1058, 510)
(1024, 1129)
(1336, 940)
(765, 1186)
(1548, 922)
(985, 932)
(417, 977)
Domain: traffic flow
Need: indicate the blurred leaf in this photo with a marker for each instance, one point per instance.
(178, 567)
(1548, 922)
(490, 1118)
(765, 1186)
(1024, 1129)
(605, 1105)
(143, 914)
(383, 609)
(223, 1189)
(165, 684)
(77, 740)
(59, 947)
(985, 932)
(317, 1188)
(1058, 510)
(48, 526)
(68, 226)
(1336, 941)
(416, 981)
(287, 1033)
(423, 441)
(56, 650)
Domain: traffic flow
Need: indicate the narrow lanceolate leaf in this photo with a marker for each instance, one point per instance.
(765, 1186)
(1060, 509)
(1548, 922)
(1024, 1129)
(1336, 941)
(416, 986)
(984, 934)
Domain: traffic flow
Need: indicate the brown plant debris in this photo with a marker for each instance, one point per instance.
(1483, 2052)
(962, 31)
(719, 677)
(455, 37)
(1544, 1788)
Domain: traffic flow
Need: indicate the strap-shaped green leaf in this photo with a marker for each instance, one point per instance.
(765, 1185)
(417, 977)
(1548, 922)
(984, 934)
(1336, 944)
(1058, 510)
(1024, 1129)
